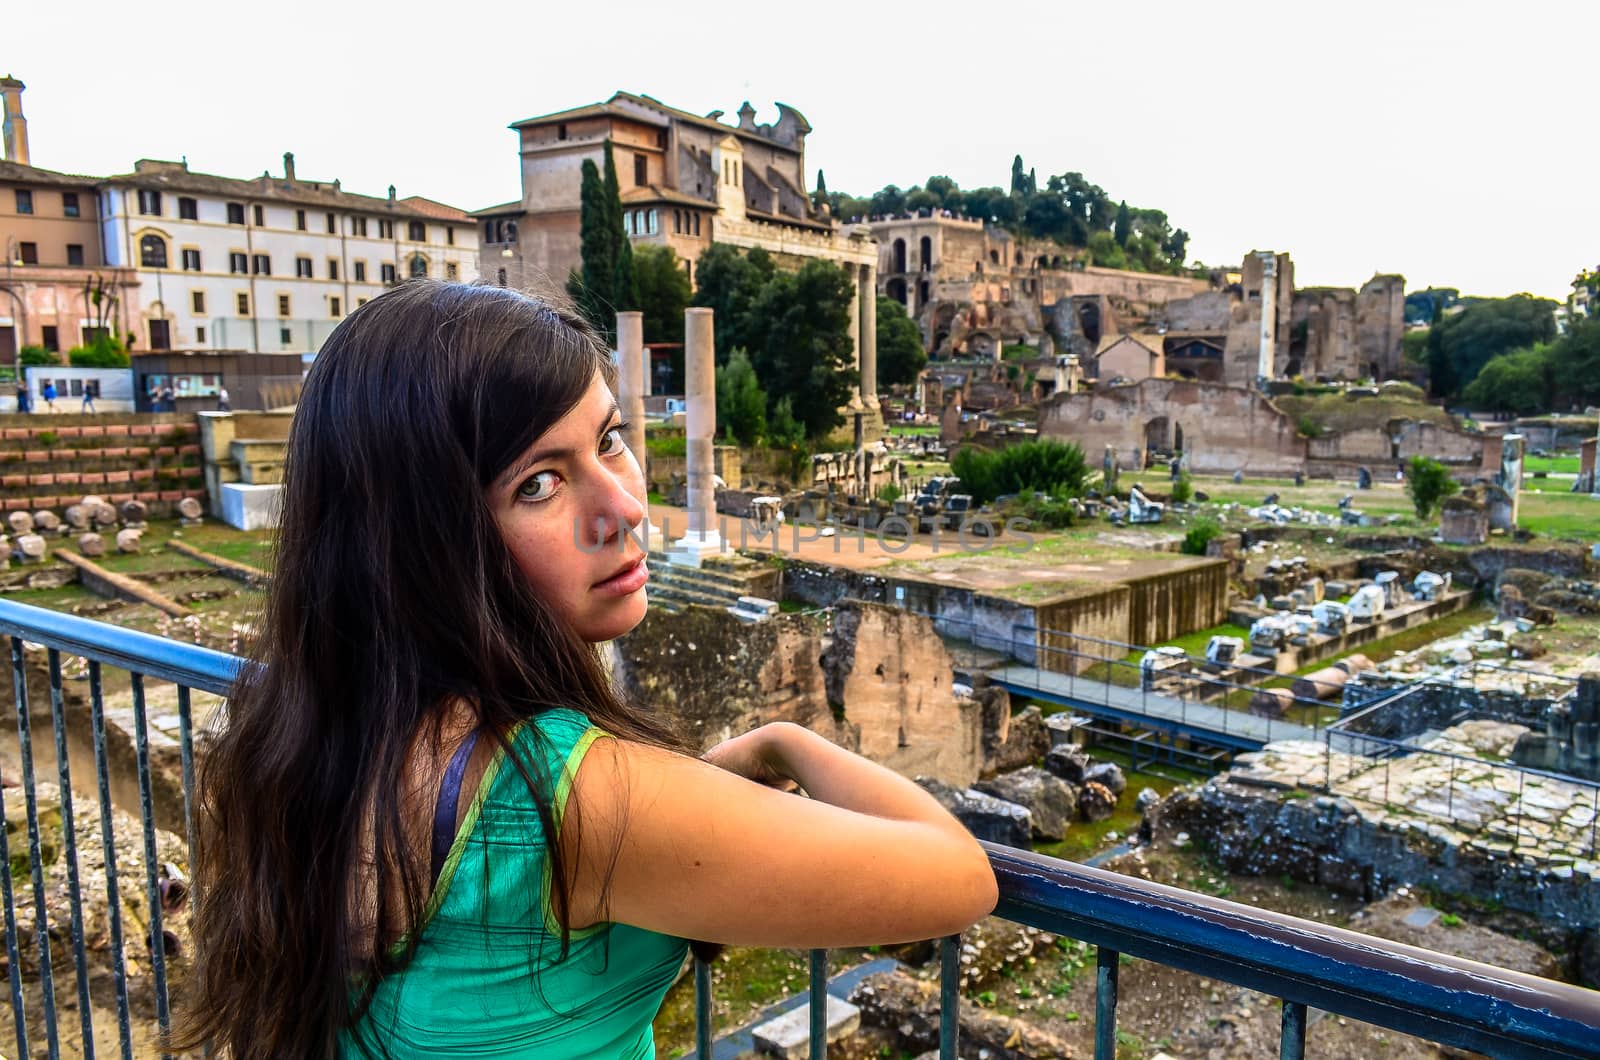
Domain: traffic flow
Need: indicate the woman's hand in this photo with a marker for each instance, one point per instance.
(757, 755)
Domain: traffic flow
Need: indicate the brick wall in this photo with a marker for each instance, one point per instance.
(53, 461)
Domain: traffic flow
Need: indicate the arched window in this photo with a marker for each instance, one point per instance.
(652, 228)
(511, 232)
(152, 252)
(419, 265)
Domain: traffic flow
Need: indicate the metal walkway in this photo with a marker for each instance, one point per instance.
(1202, 721)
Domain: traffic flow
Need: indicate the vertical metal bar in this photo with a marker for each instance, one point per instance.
(158, 949)
(819, 1004)
(1105, 1003)
(47, 986)
(119, 971)
(1450, 791)
(186, 749)
(1292, 1043)
(702, 1010)
(949, 996)
(1522, 779)
(69, 836)
(13, 959)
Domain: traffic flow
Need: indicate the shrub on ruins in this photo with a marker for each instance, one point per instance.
(901, 357)
(1200, 534)
(1428, 482)
(1183, 489)
(1046, 466)
(103, 351)
(741, 403)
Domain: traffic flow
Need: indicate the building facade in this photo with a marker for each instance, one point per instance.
(685, 182)
(269, 264)
(57, 286)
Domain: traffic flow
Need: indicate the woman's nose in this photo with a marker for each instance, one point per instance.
(617, 509)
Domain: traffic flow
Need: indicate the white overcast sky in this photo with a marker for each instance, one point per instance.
(1453, 142)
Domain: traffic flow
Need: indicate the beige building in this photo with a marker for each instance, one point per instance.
(685, 182)
(54, 265)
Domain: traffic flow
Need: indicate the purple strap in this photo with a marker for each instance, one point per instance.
(444, 815)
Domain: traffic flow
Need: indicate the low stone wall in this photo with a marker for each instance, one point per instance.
(1171, 603)
(53, 461)
(1101, 614)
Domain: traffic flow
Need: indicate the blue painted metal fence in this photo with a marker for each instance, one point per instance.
(1457, 1002)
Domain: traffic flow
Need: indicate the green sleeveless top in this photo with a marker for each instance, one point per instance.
(486, 979)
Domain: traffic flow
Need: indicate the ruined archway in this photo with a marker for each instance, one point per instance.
(1177, 438)
(924, 292)
(1157, 436)
(926, 248)
(1089, 321)
(899, 256)
(896, 289)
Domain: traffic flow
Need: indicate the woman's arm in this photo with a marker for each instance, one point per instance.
(703, 853)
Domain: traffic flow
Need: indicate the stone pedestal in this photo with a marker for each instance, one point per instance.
(631, 380)
(700, 393)
(247, 507)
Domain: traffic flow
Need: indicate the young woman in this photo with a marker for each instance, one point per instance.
(431, 827)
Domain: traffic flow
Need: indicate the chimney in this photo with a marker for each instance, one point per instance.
(16, 126)
(391, 195)
(288, 167)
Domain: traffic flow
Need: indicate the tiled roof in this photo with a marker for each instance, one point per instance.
(656, 193)
(434, 209)
(175, 176)
(17, 173)
(514, 206)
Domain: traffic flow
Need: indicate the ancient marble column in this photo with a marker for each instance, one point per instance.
(700, 392)
(868, 341)
(1511, 449)
(630, 380)
(855, 334)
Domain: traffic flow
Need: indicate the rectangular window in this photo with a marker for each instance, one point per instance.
(236, 213)
(302, 268)
(283, 305)
(260, 215)
(361, 271)
(197, 299)
(451, 272)
(641, 170)
(561, 131)
(300, 220)
(358, 226)
(200, 334)
(333, 268)
(29, 252)
(191, 260)
(360, 302)
(74, 253)
(334, 308)
(449, 236)
(188, 209)
(150, 203)
(69, 204)
(333, 225)
(261, 265)
(385, 228)
(237, 262)
(386, 272)
(285, 336)
(417, 232)
(241, 302)
(52, 340)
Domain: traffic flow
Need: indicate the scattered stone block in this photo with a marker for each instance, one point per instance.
(1109, 774)
(20, 522)
(46, 520)
(133, 514)
(32, 546)
(985, 816)
(91, 544)
(190, 513)
(1068, 763)
(128, 540)
(789, 1035)
(104, 515)
(1096, 802)
(77, 516)
(1051, 801)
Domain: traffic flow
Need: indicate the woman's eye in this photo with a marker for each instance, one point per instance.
(612, 443)
(540, 487)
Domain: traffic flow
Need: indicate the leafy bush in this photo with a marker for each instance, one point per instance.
(1183, 489)
(888, 493)
(37, 355)
(1308, 427)
(103, 351)
(666, 444)
(1046, 511)
(1200, 534)
(1428, 482)
(48, 438)
(1044, 466)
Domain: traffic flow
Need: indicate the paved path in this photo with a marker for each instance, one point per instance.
(1208, 723)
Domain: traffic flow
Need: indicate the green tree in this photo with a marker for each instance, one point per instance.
(1575, 361)
(1122, 229)
(1019, 180)
(1428, 482)
(1520, 382)
(741, 403)
(36, 355)
(900, 353)
(664, 292)
(102, 351)
(1103, 251)
(799, 337)
(729, 282)
(624, 285)
(590, 285)
(1460, 344)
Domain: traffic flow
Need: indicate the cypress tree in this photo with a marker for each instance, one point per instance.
(624, 286)
(1019, 181)
(591, 287)
(1123, 228)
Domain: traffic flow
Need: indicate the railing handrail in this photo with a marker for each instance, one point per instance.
(1432, 995)
(130, 649)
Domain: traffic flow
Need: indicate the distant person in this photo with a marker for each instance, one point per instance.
(22, 397)
(169, 398)
(49, 394)
(88, 396)
(222, 400)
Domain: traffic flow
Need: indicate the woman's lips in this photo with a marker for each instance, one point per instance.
(628, 580)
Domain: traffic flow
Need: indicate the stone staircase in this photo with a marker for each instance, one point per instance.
(673, 588)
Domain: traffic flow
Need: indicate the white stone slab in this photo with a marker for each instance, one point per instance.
(789, 1035)
(251, 507)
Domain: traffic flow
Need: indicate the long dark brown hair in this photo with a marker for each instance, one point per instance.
(393, 598)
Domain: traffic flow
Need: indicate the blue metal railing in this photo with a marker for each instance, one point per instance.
(1453, 1001)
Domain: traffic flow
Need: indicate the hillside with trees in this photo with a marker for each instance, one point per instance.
(1067, 209)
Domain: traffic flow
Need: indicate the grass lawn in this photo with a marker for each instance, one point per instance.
(1557, 465)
